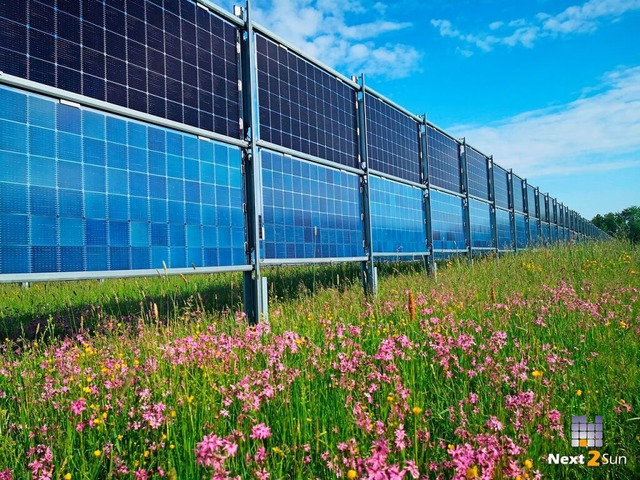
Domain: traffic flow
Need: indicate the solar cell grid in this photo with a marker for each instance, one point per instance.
(303, 107)
(392, 140)
(135, 54)
(396, 217)
(106, 193)
(444, 160)
(447, 222)
(501, 186)
(532, 202)
(478, 174)
(480, 217)
(310, 211)
(503, 221)
(521, 230)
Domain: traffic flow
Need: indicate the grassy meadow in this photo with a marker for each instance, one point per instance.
(473, 375)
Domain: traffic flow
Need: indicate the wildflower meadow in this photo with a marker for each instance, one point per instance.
(474, 374)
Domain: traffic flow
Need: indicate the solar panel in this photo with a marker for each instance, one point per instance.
(501, 186)
(106, 193)
(178, 62)
(532, 202)
(535, 231)
(447, 221)
(397, 218)
(503, 222)
(518, 194)
(478, 174)
(392, 140)
(310, 211)
(303, 107)
(521, 230)
(480, 217)
(444, 160)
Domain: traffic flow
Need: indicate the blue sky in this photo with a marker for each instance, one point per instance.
(550, 88)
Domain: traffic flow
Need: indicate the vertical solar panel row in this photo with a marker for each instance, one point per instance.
(169, 59)
(86, 191)
(447, 222)
(444, 160)
(478, 174)
(303, 107)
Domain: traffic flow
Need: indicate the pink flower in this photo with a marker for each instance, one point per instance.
(79, 406)
(260, 431)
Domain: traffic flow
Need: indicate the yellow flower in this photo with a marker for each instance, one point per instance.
(351, 474)
(451, 447)
(578, 392)
(97, 453)
(528, 464)
(471, 473)
(190, 399)
(536, 374)
(67, 476)
(172, 446)
(416, 410)
(173, 414)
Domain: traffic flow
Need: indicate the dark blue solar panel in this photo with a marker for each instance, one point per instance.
(480, 216)
(501, 186)
(518, 194)
(392, 140)
(447, 222)
(397, 218)
(478, 174)
(521, 230)
(545, 234)
(546, 214)
(303, 107)
(535, 231)
(532, 202)
(444, 160)
(106, 193)
(310, 211)
(119, 52)
(503, 222)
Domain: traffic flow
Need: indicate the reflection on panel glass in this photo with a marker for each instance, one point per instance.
(535, 231)
(518, 194)
(310, 211)
(478, 174)
(397, 218)
(303, 107)
(503, 222)
(554, 233)
(480, 216)
(447, 222)
(105, 193)
(178, 62)
(521, 231)
(501, 186)
(444, 160)
(392, 140)
(545, 235)
(532, 202)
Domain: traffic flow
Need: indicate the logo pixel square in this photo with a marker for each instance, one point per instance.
(585, 434)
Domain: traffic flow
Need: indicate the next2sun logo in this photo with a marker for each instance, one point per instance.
(588, 435)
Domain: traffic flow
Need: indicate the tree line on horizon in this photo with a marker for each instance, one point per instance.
(624, 225)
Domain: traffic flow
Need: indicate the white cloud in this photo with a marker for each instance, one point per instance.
(598, 132)
(329, 31)
(585, 18)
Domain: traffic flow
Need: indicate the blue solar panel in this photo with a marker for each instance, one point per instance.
(545, 234)
(532, 202)
(303, 107)
(444, 160)
(503, 222)
(518, 194)
(310, 211)
(447, 221)
(501, 186)
(478, 174)
(164, 196)
(178, 62)
(480, 216)
(392, 140)
(535, 231)
(397, 218)
(521, 230)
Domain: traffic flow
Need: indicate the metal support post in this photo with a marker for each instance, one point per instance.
(465, 190)
(492, 198)
(512, 210)
(367, 268)
(255, 292)
(426, 197)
